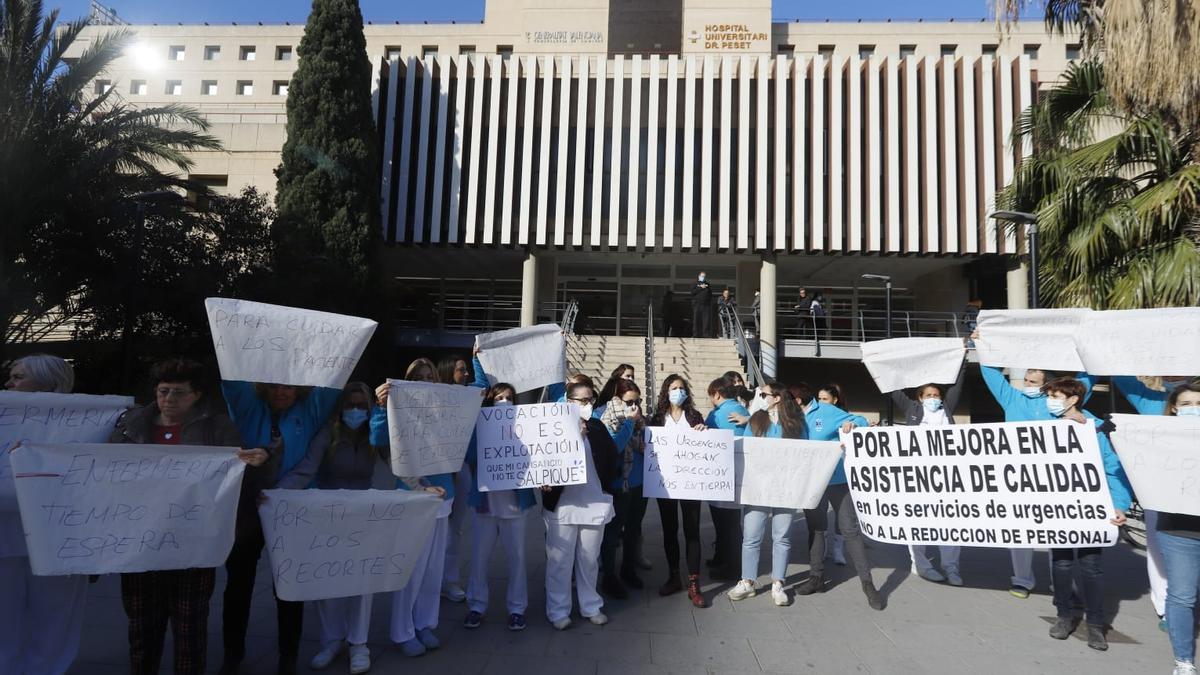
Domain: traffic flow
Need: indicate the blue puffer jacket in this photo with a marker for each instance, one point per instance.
(297, 425)
(1017, 406)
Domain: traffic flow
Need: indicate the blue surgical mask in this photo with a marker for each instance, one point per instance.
(932, 404)
(500, 402)
(677, 396)
(1056, 406)
(1033, 392)
(354, 417)
(702, 278)
(1189, 411)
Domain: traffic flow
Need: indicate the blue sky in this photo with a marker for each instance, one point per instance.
(416, 11)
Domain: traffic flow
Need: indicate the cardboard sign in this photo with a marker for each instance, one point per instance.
(688, 464)
(524, 446)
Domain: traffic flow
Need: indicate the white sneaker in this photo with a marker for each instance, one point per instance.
(453, 592)
(561, 624)
(328, 653)
(954, 578)
(777, 594)
(744, 589)
(1184, 668)
(931, 574)
(839, 549)
(360, 659)
(599, 619)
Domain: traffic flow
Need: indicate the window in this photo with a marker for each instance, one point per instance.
(468, 50)
(279, 88)
(505, 51)
(786, 50)
(208, 87)
(825, 51)
(391, 53)
(102, 86)
(209, 185)
(245, 88)
(283, 53)
(429, 50)
(176, 53)
(174, 88)
(866, 51)
(137, 87)
(212, 53)
(949, 50)
(1032, 51)
(1074, 52)
(989, 50)
(907, 51)
(247, 53)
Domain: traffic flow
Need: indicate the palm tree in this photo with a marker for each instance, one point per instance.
(69, 162)
(1117, 197)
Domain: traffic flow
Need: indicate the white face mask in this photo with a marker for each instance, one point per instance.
(758, 403)
(702, 278)
(1189, 411)
(677, 396)
(501, 402)
(585, 411)
(1056, 406)
(1033, 392)
(932, 404)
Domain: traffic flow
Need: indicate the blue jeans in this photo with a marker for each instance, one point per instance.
(1091, 573)
(754, 524)
(1181, 556)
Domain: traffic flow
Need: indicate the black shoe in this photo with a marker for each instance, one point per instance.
(1096, 638)
(815, 583)
(630, 578)
(1063, 627)
(874, 599)
(613, 587)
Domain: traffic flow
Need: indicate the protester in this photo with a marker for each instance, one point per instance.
(340, 457)
(499, 514)
(676, 409)
(453, 370)
(803, 309)
(620, 373)
(783, 418)
(283, 419)
(622, 417)
(41, 618)
(702, 299)
(416, 607)
(730, 414)
(934, 406)
(726, 307)
(833, 394)
(180, 597)
(1064, 395)
(575, 517)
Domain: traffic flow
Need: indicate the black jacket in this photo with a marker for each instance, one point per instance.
(605, 458)
(702, 295)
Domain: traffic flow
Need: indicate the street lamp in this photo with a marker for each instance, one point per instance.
(1030, 220)
(887, 318)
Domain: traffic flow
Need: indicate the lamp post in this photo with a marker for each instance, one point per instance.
(1031, 222)
(887, 318)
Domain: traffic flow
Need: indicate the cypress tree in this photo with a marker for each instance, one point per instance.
(328, 181)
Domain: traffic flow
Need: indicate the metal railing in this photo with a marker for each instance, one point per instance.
(731, 327)
(867, 325)
(650, 373)
(569, 314)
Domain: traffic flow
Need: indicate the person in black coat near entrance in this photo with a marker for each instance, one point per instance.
(702, 299)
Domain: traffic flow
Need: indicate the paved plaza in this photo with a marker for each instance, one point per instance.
(926, 628)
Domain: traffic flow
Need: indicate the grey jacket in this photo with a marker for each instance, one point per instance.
(348, 465)
(914, 411)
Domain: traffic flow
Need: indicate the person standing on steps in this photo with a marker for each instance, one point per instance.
(702, 301)
(726, 306)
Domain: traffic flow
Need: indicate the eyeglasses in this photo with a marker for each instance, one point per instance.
(167, 392)
(764, 394)
(636, 401)
(582, 400)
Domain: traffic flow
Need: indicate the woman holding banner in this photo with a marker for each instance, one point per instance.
(575, 517)
(677, 408)
(727, 413)
(1179, 541)
(340, 457)
(783, 418)
(622, 417)
(179, 597)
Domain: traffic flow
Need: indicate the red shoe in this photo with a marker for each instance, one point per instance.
(693, 590)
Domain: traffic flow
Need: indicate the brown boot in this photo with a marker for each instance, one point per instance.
(693, 589)
(673, 585)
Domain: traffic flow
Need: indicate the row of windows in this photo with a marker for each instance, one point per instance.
(1072, 51)
(395, 51)
(207, 87)
(245, 53)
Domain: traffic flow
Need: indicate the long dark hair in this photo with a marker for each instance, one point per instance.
(662, 407)
(791, 415)
(445, 368)
(610, 387)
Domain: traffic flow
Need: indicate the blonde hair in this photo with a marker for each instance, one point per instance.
(52, 374)
(416, 365)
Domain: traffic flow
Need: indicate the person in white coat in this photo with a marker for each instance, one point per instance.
(575, 517)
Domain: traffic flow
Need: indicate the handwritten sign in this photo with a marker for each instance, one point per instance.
(524, 446)
(341, 543)
(1161, 456)
(430, 426)
(784, 473)
(1030, 338)
(526, 358)
(257, 342)
(51, 418)
(1141, 342)
(92, 508)
(912, 362)
(689, 464)
(1011, 485)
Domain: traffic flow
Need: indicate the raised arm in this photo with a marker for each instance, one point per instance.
(1004, 393)
(954, 393)
(1144, 399)
(240, 399)
(481, 380)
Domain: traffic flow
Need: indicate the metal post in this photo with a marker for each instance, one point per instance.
(888, 318)
(1033, 265)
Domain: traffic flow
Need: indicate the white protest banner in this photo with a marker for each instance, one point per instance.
(689, 464)
(100, 508)
(257, 342)
(51, 418)
(523, 446)
(526, 358)
(782, 472)
(1141, 342)
(341, 543)
(912, 362)
(430, 426)
(1011, 485)
(1161, 456)
(1030, 338)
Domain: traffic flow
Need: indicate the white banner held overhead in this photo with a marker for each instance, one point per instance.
(784, 473)
(689, 464)
(1011, 485)
(1141, 342)
(91, 508)
(1030, 338)
(257, 342)
(526, 358)
(430, 426)
(911, 362)
(51, 418)
(1161, 456)
(341, 543)
(525, 446)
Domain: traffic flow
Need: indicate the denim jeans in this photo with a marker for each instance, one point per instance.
(754, 524)
(1181, 555)
(1063, 561)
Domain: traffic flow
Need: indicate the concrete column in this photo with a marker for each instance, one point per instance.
(529, 279)
(767, 340)
(1018, 298)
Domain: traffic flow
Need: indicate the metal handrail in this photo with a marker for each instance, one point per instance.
(754, 374)
(648, 395)
(569, 314)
